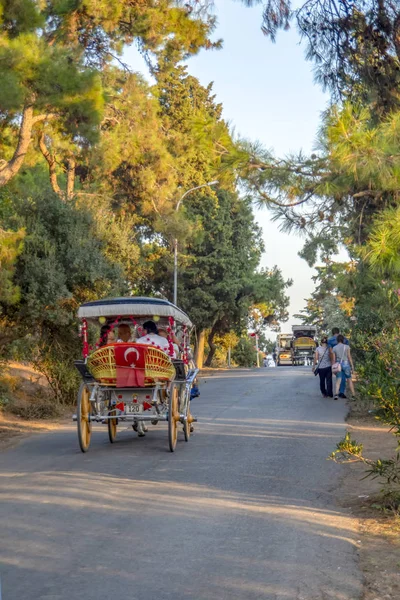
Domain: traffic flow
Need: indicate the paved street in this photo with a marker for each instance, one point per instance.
(244, 511)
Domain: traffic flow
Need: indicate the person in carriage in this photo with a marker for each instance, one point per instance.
(124, 334)
(152, 337)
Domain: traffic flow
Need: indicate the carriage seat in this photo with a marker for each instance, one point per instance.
(130, 365)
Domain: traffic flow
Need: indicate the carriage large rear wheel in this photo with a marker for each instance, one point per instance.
(83, 421)
(112, 426)
(187, 423)
(173, 418)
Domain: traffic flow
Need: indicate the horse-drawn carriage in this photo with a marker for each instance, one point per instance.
(137, 381)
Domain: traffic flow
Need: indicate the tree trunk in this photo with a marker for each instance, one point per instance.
(213, 347)
(71, 164)
(11, 168)
(199, 352)
(51, 161)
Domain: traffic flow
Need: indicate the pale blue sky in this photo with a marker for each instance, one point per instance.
(268, 94)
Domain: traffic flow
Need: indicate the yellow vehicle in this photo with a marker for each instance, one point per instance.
(303, 344)
(284, 352)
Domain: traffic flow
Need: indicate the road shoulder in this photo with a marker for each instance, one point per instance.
(14, 429)
(379, 531)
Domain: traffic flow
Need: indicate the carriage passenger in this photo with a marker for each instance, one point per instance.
(107, 336)
(152, 337)
(125, 334)
(175, 342)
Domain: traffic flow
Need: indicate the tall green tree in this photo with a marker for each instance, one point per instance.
(64, 261)
(51, 60)
(219, 279)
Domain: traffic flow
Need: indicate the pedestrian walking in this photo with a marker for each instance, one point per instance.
(323, 367)
(343, 365)
(332, 342)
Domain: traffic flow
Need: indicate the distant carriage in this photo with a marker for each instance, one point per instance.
(130, 382)
(304, 344)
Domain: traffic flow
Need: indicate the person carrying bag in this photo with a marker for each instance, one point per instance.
(323, 367)
(343, 365)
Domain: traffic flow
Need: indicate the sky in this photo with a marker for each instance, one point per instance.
(268, 94)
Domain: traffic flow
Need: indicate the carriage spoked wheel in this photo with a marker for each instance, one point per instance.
(112, 426)
(173, 418)
(83, 421)
(187, 423)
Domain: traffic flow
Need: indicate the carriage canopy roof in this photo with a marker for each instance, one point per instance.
(134, 306)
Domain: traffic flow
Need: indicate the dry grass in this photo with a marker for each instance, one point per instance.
(25, 404)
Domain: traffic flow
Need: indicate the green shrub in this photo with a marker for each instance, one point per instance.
(244, 354)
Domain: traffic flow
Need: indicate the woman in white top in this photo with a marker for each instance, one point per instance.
(323, 358)
(343, 356)
(151, 338)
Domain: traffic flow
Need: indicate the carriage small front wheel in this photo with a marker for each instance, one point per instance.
(83, 418)
(112, 426)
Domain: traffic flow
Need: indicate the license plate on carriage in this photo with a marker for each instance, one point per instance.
(133, 409)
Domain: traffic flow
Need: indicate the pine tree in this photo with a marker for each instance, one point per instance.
(51, 60)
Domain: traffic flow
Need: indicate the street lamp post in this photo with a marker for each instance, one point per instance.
(176, 241)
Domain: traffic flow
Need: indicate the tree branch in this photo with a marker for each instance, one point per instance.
(270, 200)
(8, 169)
(51, 161)
(11, 167)
(44, 117)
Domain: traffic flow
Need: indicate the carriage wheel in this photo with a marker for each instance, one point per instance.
(112, 426)
(83, 413)
(188, 421)
(186, 427)
(173, 418)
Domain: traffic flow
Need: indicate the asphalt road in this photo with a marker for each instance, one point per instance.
(246, 510)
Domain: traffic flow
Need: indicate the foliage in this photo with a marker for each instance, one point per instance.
(94, 164)
(244, 353)
(197, 136)
(63, 263)
(328, 305)
(223, 343)
(52, 59)
(354, 45)
(382, 249)
(11, 243)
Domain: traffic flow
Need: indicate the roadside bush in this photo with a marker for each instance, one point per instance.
(244, 353)
(379, 373)
(41, 407)
(8, 385)
(378, 369)
(64, 262)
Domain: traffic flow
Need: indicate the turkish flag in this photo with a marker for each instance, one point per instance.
(130, 364)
